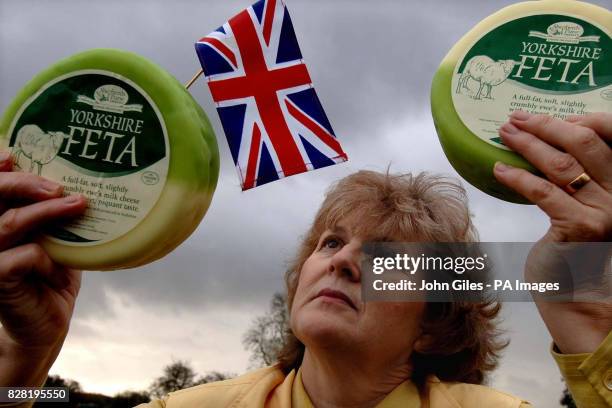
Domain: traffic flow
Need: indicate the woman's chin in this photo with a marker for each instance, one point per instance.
(323, 328)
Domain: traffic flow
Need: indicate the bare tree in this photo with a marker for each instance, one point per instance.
(266, 335)
(129, 399)
(214, 376)
(567, 400)
(57, 381)
(177, 375)
(75, 392)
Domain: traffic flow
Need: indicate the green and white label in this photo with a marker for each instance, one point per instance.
(552, 64)
(99, 135)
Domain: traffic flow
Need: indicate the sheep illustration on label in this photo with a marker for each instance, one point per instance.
(36, 145)
(486, 72)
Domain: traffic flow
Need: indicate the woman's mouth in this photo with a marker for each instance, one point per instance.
(336, 294)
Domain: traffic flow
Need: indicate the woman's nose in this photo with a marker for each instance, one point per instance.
(345, 262)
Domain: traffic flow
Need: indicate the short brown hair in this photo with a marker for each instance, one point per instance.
(463, 338)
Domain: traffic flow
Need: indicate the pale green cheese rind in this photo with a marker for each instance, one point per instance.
(198, 210)
(471, 156)
(192, 175)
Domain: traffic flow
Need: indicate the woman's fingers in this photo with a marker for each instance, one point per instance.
(546, 195)
(559, 167)
(16, 222)
(26, 186)
(19, 188)
(600, 122)
(581, 142)
(6, 161)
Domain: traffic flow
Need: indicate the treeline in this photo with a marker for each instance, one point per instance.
(81, 399)
(176, 376)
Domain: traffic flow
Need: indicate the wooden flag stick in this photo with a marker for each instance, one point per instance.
(195, 77)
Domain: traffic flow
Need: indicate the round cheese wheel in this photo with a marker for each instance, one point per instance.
(122, 131)
(545, 57)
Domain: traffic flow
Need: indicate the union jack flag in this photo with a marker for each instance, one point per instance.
(272, 118)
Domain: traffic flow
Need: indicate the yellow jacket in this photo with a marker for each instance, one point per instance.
(270, 388)
(589, 378)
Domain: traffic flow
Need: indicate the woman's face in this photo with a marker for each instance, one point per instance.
(327, 310)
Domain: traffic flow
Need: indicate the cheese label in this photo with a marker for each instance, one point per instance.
(553, 64)
(100, 135)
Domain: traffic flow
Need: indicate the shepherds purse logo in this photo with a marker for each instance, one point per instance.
(564, 32)
(110, 98)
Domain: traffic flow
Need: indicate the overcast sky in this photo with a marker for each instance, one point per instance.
(371, 64)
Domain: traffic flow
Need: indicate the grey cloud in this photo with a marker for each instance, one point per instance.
(93, 299)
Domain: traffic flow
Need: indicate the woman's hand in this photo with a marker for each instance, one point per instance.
(37, 296)
(579, 207)
(563, 150)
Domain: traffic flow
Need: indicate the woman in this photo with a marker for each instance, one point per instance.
(343, 352)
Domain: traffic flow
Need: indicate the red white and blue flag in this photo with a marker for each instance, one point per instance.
(272, 118)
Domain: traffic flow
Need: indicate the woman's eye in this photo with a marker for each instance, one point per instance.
(331, 243)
